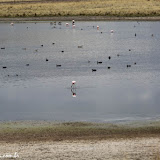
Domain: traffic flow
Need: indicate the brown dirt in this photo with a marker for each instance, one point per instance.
(113, 149)
(39, 140)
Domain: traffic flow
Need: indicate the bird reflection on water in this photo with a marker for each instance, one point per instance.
(73, 91)
(73, 88)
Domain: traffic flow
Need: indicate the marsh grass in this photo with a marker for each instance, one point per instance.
(39, 131)
(118, 8)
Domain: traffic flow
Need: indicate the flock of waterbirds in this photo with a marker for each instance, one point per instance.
(80, 46)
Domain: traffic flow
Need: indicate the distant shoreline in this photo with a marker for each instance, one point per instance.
(79, 18)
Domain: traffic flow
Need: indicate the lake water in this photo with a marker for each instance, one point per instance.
(42, 91)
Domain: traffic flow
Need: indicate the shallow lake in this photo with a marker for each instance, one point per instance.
(32, 88)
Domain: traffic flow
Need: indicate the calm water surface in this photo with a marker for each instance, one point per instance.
(41, 91)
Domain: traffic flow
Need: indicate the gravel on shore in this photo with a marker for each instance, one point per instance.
(134, 148)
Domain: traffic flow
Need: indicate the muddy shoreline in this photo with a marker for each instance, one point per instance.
(80, 140)
(79, 18)
(27, 131)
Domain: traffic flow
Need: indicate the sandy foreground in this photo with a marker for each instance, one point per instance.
(135, 148)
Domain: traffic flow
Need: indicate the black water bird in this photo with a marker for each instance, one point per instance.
(128, 65)
(135, 63)
(41, 45)
(118, 55)
(109, 57)
(62, 51)
(27, 64)
(99, 62)
(4, 67)
(2, 47)
(109, 67)
(46, 59)
(129, 49)
(94, 70)
(58, 65)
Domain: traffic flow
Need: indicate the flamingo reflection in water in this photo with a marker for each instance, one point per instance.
(73, 91)
(73, 88)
